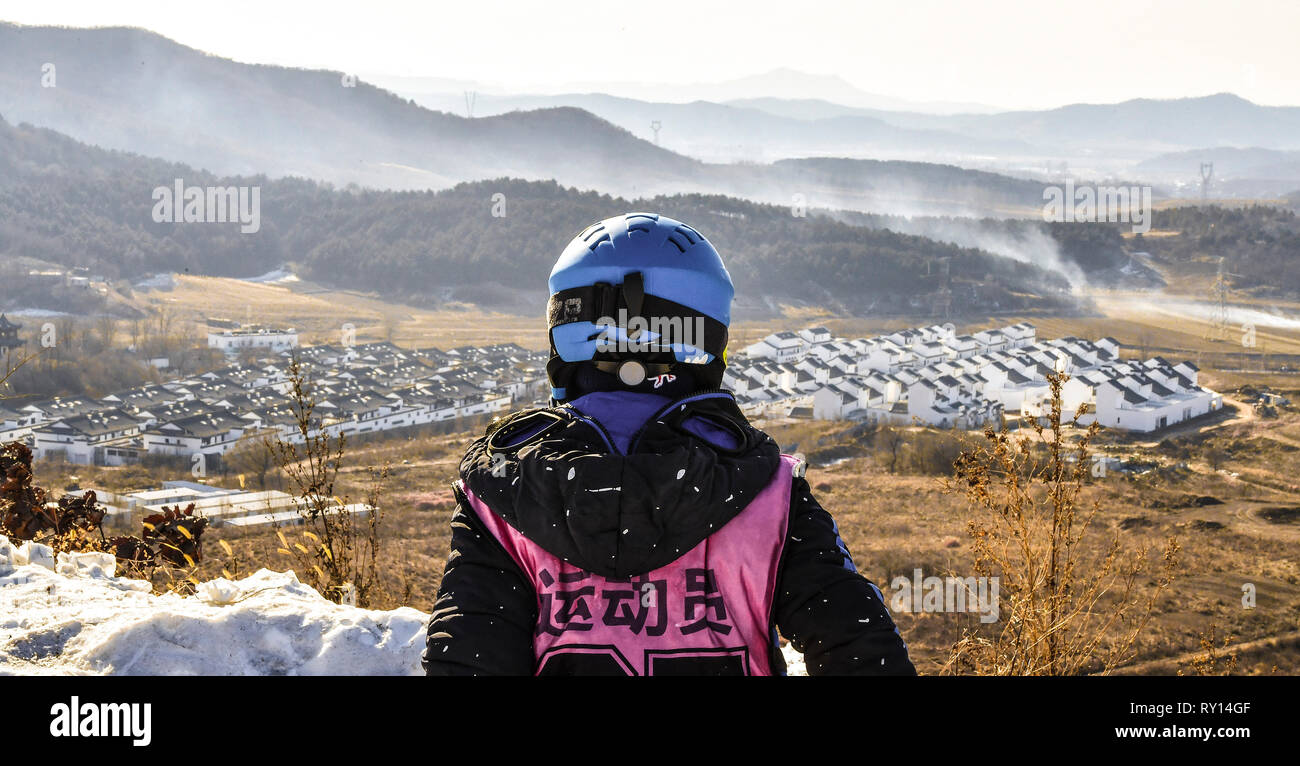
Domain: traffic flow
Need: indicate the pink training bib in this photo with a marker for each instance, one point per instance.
(708, 612)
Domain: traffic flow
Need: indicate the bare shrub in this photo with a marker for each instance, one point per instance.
(1216, 659)
(1073, 600)
(934, 453)
(891, 442)
(338, 549)
(167, 552)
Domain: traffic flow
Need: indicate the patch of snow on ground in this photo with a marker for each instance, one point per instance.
(275, 277)
(37, 313)
(70, 615)
(160, 281)
(794, 665)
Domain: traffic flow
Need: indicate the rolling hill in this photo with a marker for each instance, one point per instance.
(133, 90)
(735, 133)
(67, 203)
(1136, 128)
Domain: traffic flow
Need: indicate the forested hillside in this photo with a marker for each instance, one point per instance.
(1260, 244)
(74, 205)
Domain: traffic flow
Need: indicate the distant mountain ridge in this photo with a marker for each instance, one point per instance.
(731, 132)
(782, 82)
(1230, 161)
(1221, 119)
(133, 90)
(767, 128)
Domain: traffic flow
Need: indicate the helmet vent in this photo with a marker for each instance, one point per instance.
(591, 230)
(596, 243)
(684, 236)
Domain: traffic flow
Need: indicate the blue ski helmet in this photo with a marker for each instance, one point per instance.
(639, 292)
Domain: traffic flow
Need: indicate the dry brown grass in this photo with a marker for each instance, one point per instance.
(319, 314)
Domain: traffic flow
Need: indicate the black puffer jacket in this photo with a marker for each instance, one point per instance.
(531, 469)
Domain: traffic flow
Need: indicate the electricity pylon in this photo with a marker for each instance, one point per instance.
(1219, 299)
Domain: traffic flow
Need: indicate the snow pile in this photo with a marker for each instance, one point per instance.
(70, 615)
(163, 280)
(794, 665)
(278, 276)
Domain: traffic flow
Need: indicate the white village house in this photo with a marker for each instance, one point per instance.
(234, 341)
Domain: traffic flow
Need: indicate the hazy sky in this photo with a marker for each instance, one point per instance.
(1010, 53)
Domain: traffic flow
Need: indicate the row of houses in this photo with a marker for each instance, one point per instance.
(357, 390)
(936, 376)
(929, 375)
(913, 347)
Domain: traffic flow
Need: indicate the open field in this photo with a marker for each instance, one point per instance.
(319, 314)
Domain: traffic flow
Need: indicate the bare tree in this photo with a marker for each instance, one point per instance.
(163, 322)
(65, 337)
(892, 440)
(252, 456)
(137, 334)
(105, 330)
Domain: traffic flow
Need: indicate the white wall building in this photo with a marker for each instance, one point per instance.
(234, 341)
(779, 347)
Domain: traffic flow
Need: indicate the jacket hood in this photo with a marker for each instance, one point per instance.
(620, 507)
